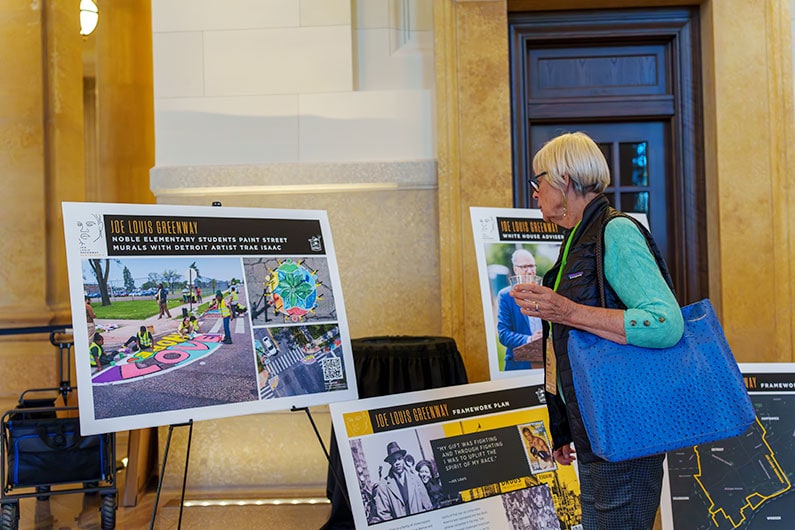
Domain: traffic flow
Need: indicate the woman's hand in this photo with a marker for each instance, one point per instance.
(542, 302)
(564, 455)
(546, 304)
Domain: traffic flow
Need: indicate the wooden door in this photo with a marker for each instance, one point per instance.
(630, 79)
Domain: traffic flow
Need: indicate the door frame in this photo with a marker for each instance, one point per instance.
(678, 27)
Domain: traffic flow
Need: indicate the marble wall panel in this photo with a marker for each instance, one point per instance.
(372, 125)
(190, 15)
(178, 64)
(278, 61)
(226, 130)
(325, 12)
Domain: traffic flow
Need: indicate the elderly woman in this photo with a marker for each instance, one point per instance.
(640, 309)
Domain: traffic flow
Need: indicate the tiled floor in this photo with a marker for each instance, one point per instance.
(82, 511)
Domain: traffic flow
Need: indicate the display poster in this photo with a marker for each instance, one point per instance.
(188, 313)
(743, 482)
(474, 456)
(510, 242)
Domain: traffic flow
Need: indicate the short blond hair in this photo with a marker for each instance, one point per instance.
(576, 155)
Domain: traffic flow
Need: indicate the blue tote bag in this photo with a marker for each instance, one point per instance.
(642, 401)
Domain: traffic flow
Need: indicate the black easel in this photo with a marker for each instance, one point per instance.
(163, 472)
(325, 451)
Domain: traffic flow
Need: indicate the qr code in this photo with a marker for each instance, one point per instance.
(332, 368)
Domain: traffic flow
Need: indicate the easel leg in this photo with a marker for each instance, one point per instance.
(163, 472)
(325, 452)
(185, 475)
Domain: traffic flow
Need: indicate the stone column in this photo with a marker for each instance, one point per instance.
(63, 129)
(41, 157)
(474, 138)
(125, 101)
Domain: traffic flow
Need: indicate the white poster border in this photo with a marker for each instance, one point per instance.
(75, 253)
(486, 231)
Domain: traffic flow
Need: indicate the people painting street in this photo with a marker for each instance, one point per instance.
(142, 340)
(223, 308)
(234, 302)
(99, 359)
(189, 327)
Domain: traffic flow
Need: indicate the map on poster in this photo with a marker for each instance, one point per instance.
(743, 482)
(468, 456)
(187, 313)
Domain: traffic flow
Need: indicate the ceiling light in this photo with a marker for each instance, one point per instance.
(89, 15)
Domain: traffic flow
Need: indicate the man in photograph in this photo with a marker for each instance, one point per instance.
(399, 493)
(515, 330)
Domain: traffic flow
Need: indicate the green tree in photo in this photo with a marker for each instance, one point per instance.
(152, 279)
(129, 283)
(170, 277)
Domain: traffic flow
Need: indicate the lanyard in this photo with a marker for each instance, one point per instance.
(551, 372)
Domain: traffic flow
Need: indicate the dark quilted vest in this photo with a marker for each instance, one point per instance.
(579, 282)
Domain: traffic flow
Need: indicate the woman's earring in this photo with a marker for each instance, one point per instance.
(564, 211)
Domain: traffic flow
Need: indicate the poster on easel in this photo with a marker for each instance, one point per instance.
(510, 242)
(467, 456)
(188, 313)
(745, 482)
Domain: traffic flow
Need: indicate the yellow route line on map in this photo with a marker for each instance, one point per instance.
(749, 504)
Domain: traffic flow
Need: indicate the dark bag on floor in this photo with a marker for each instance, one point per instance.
(52, 451)
(38, 403)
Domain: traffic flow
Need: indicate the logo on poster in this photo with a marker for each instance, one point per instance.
(488, 228)
(314, 244)
(91, 235)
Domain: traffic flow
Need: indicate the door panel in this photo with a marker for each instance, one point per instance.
(639, 175)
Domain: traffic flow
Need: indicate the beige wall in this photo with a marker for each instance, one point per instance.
(751, 172)
(750, 156)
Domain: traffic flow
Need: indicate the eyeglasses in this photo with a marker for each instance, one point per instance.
(533, 181)
(530, 266)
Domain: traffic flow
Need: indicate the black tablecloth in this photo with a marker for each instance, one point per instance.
(384, 366)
